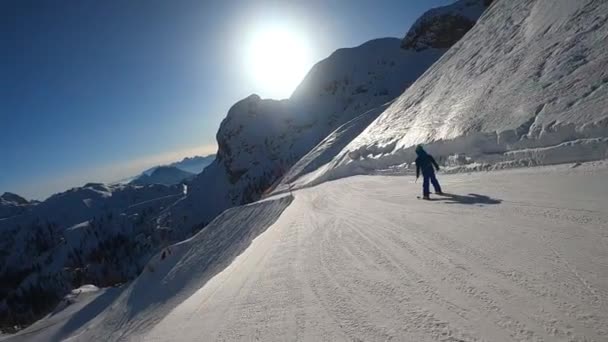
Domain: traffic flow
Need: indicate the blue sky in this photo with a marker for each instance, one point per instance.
(100, 90)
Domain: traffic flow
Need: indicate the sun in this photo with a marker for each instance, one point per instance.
(277, 59)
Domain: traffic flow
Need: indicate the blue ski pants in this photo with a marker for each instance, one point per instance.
(430, 176)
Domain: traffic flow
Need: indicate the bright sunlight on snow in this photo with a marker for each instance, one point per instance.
(277, 59)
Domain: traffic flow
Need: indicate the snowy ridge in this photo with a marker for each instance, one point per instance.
(536, 78)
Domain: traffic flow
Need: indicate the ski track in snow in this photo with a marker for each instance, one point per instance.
(362, 259)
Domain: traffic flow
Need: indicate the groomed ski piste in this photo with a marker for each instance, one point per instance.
(342, 250)
(511, 255)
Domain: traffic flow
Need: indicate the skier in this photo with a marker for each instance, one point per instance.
(427, 164)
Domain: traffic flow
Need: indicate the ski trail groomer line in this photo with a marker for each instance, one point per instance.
(427, 164)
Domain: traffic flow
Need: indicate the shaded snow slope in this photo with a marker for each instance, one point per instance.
(530, 74)
(73, 312)
(506, 255)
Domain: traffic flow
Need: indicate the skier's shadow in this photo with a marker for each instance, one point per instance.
(466, 199)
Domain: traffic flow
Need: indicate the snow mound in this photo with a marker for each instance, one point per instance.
(526, 80)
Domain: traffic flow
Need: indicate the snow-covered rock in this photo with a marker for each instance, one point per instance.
(442, 27)
(529, 75)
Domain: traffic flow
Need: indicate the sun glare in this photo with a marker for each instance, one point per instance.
(277, 61)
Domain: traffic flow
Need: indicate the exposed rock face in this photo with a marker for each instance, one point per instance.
(440, 28)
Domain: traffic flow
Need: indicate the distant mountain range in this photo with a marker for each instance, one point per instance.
(171, 172)
(193, 165)
(166, 175)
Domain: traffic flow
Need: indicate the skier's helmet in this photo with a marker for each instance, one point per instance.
(419, 149)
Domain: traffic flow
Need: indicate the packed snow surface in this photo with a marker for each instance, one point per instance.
(514, 255)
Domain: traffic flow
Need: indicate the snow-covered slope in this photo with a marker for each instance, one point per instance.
(260, 139)
(514, 255)
(327, 149)
(97, 234)
(166, 175)
(527, 85)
